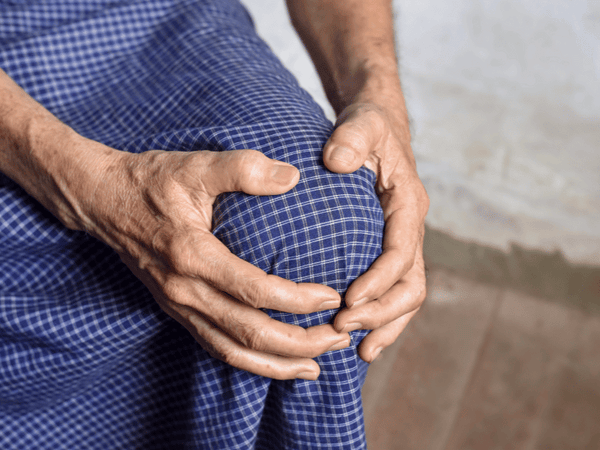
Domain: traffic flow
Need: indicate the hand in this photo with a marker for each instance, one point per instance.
(390, 293)
(155, 209)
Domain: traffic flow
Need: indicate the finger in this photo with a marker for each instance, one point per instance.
(246, 171)
(248, 326)
(405, 296)
(222, 347)
(251, 327)
(401, 251)
(377, 340)
(246, 282)
(356, 136)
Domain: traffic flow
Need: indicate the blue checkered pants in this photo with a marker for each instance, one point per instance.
(87, 358)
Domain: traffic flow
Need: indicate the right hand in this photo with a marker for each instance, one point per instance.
(155, 210)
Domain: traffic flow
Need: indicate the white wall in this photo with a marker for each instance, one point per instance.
(504, 97)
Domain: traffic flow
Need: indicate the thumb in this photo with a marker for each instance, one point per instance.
(247, 171)
(355, 137)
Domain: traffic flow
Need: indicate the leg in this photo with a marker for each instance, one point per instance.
(198, 79)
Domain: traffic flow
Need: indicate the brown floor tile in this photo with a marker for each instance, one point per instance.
(432, 366)
(511, 386)
(554, 326)
(572, 420)
(587, 352)
(506, 397)
(380, 373)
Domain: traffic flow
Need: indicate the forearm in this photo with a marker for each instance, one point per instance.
(352, 45)
(43, 155)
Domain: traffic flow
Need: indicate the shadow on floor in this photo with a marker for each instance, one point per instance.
(546, 275)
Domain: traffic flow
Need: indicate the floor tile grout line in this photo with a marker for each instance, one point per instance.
(386, 368)
(477, 361)
(563, 361)
(559, 364)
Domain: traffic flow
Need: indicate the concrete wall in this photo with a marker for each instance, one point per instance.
(504, 97)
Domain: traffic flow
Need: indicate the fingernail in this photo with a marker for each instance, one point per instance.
(351, 327)
(376, 353)
(339, 345)
(329, 304)
(283, 173)
(307, 375)
(343, 154)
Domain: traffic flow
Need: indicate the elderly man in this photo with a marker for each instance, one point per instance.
(166, 141)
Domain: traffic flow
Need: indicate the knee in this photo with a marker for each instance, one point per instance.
(327, 230)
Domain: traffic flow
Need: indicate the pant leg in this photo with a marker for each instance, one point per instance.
(327, 230)
(87, 348)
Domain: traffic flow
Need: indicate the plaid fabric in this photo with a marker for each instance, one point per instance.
(87, 358)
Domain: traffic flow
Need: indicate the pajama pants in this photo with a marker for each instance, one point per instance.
(87, 358)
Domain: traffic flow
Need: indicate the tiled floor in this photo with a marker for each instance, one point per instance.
(484, 368)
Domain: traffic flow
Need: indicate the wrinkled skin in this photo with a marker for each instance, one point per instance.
(163, 234)
(165, 240)
(391, 292)
(161, 226)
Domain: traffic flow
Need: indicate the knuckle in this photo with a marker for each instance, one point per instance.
(253, 293)
(179, 259)
(246, 170)
(372, 120)
(407, 263)
(213, 350)
(196, 161)
(248, 161)
(259, 339)
(170, 187)
(414, 194)
(231, 356)
(252, 156)
(219, 348)
(421, 298)
(307, 348)
(173, 290)
(351, 136)
(178, 251)
(423, 199)
(376, 118)
(389, 340)
(417, 296)
(377, 321)
(168, 192)
(170, 248)
(255, 338)
(424, 195)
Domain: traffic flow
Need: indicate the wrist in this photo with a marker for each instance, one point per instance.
(372, 81)
(59, 168)
(74, 178)
(379, 88)
(48, 159)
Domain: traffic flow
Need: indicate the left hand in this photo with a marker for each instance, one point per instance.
(390, 293)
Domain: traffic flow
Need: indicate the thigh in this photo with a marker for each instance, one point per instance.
(185, 76)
